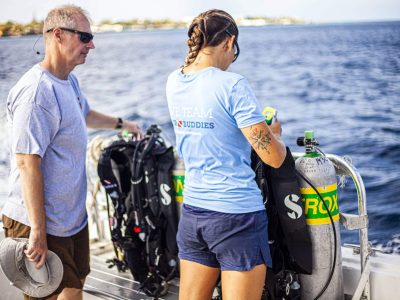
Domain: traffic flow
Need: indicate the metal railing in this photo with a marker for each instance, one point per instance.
(354, 222)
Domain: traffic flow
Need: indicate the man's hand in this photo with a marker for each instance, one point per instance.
(95, 119)
(133, 127)
(36, 250)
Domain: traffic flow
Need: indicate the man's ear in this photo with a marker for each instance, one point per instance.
(57, 34)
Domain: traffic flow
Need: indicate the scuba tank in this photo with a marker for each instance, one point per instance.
(178, 178)
(318, 180)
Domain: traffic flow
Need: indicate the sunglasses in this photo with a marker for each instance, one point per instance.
(84, 37)
(236, 45)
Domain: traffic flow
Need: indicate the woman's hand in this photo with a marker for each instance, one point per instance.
(276, 128)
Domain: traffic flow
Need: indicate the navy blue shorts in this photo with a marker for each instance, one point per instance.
(230, 242)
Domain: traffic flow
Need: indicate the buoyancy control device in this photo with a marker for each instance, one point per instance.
(137, 176)
(318, 189)
(289, 240)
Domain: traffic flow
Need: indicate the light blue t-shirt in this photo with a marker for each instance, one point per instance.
(207, 109)
(46, 116)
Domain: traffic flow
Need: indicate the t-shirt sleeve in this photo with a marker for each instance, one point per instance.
(244, 105)
(33, 128)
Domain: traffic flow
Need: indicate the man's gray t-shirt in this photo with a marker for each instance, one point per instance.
(46, 116)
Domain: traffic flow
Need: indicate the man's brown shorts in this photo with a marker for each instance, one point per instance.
(73, 252)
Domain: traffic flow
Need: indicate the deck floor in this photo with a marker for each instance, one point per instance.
(108, 283)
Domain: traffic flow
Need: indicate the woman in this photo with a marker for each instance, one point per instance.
(223, 227)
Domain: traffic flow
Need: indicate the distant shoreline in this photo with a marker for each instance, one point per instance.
(35, 27)
(14, 29)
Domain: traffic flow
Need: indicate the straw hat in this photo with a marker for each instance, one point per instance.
(23, 274)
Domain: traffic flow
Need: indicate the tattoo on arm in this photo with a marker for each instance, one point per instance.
(260, 140)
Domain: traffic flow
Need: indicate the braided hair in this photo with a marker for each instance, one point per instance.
(210, 28)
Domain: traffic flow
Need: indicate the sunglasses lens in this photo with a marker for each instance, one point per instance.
(86, 37)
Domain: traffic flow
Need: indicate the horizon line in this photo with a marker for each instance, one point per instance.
(185, 18)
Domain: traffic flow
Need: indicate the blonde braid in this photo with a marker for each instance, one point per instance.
(195, 43)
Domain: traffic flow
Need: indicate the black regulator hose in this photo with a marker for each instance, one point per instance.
(334, 234)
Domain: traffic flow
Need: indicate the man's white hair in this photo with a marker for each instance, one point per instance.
(64, 16)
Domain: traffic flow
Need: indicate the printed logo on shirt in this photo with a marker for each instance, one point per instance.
(189, 112)
(193, 124)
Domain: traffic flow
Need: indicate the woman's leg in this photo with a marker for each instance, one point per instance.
(246, 285)
(197, 281)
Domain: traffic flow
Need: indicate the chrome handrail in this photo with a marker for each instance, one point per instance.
(344, 167)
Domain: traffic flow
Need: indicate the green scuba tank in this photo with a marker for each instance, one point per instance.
(178, 177)
(317, 172)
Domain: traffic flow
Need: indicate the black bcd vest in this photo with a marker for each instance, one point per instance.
(289, 239)
(137, 176)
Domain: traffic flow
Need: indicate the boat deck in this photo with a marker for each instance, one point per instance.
(101, 283)
(107, 283)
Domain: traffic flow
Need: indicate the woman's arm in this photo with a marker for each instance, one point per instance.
(267, 143)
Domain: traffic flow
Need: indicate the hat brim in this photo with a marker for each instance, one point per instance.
(8, 248)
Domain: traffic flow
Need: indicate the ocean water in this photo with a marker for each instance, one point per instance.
(340, 80)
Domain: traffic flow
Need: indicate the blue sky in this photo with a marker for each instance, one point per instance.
(312, 10)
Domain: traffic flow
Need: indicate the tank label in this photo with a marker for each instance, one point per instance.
(179, 180)
(315, 211)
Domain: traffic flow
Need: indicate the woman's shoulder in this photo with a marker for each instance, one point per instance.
(175, 72)
(228, 74)
(213, 70)
(209, 75)
(173, 78)
(227, 78)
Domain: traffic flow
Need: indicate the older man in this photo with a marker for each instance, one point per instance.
(48, 115)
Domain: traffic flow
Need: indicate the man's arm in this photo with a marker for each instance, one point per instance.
(95, 119)
(29, 166)
(267, 143)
